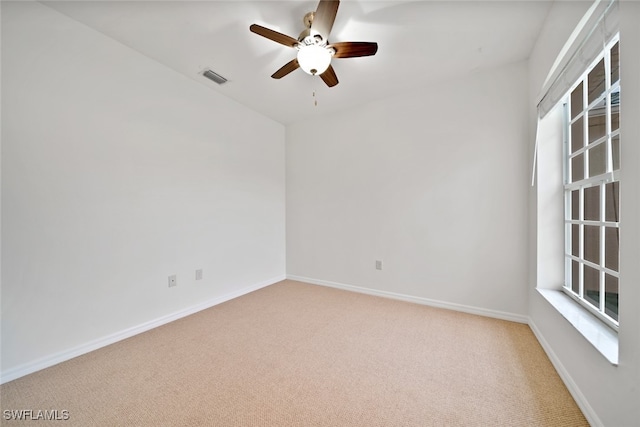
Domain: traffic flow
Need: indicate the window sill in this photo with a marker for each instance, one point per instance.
(603, 338)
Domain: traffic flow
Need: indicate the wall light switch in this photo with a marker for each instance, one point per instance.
(378, 264)
(199, 274)
(173, 280)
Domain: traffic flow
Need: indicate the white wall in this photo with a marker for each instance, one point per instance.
(608, 393)
(433, 183)
(117, 172)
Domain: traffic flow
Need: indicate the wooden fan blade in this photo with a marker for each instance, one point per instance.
(329, 77)
(354, 49)
(286, 69)
(273, 35)
(324, 17)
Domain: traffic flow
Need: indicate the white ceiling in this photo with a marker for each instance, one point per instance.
(420, 43)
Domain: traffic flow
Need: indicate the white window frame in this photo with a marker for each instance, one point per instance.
(601, 180)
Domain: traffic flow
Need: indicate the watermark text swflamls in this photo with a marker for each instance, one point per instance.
(35, 415)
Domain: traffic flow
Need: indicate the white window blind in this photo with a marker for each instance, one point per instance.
(595, 30)
(598, 30)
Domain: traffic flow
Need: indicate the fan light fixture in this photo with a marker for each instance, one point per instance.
(314, 59)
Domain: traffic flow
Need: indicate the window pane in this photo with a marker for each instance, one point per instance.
(597, 124)
(615, 152)
(596, 81)
(575, 240)
(592, 285)
(575, 204)
(611, 296)
(575, 277)
(615, 121)
(577, 135)
(592, 203)
(611, 247)
(598, 159)
(612, 202)
(576, 100)
(615, 63)
(592, 243)
(577, 168)
(615, 110)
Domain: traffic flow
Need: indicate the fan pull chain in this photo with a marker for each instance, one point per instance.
(313, 93)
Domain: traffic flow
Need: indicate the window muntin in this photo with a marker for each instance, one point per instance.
(592, 187)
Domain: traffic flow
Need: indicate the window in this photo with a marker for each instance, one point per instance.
(592, 187)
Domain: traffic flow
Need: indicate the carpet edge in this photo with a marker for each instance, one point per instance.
(503, 315)
(62, 356)
(574, 390)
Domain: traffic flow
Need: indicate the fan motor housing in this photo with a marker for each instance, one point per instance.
(309, 37)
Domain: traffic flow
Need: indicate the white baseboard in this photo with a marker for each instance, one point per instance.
(54, 359)
(573, 388)
(418, 300)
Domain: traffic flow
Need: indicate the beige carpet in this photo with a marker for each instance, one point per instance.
(294, 354)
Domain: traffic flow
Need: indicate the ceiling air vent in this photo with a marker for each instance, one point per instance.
(214, 76)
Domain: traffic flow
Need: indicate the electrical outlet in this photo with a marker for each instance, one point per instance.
(378, 264)
(199, 274)
(173, 280)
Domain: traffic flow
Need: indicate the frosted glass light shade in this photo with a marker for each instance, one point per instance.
(314, 59)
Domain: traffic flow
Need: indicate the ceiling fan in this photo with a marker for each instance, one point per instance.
(314, 50)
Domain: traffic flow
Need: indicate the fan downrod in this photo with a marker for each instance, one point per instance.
(308, 19)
